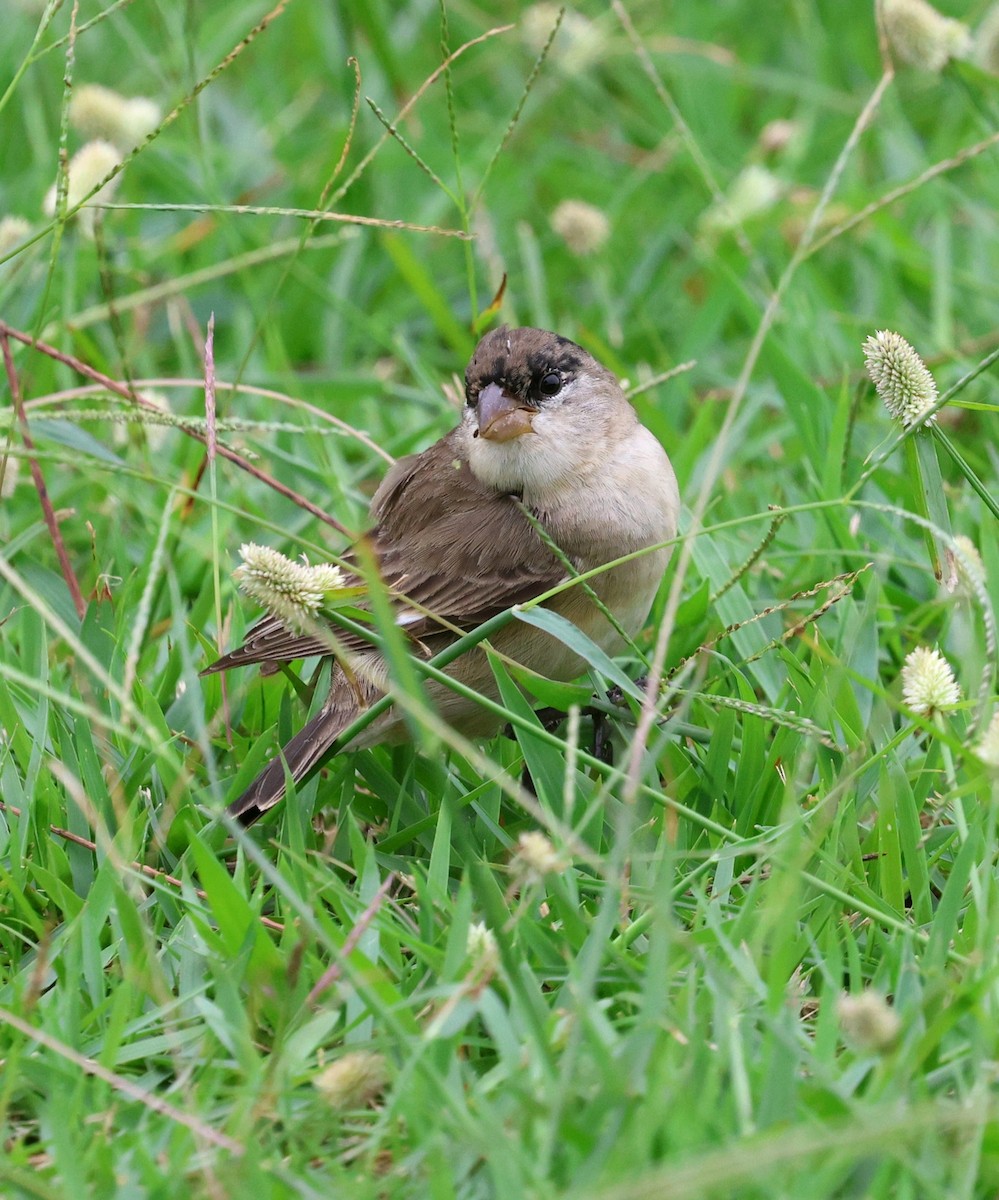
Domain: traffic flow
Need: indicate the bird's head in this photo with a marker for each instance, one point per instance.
(539, 411)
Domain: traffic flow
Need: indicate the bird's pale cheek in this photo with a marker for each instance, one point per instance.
(501, 416)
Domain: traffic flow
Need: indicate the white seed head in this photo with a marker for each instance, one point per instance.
(327, 577)
(986, 42)
(928, 683)
(481, 948)
(577, 45)
(923, 37)
(354, 1081)
(754, 191)
(101, 112)
(868, 1020)
(157, 428)
(583, 227)
(988, 748)
(966, 573)
(10, 473)
(88, 166)
(293, 592)
(13, 231)
(776, 134)
(900, 378)
(536, 857)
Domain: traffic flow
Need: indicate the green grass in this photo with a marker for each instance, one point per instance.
(659, 1016)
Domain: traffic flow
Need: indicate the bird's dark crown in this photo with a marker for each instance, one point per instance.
(518, 359)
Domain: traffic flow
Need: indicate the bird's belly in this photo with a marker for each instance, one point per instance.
(627, 591)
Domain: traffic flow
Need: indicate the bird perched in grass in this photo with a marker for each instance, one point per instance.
(547, 441)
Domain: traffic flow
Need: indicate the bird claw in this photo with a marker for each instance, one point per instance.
(602, 745)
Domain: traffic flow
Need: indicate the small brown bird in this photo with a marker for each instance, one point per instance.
(545, 428)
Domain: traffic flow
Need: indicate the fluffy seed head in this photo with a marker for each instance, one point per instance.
(986, 48)
(868, 1020)
(928, 683)
(88, 166)
(327, 577)
(923, 37)
(482, 949)
(583, 227)
(293, 592)
(754, 191)
(578, 44)
(101, 112)
(536, 857)
(353, 1081)
(988, 748)
(13, 231)
(10, 472)
(157, 427)
(967, 571)
(776, 134)
(900, 378)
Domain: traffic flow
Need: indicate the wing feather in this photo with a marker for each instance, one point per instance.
(453, 551)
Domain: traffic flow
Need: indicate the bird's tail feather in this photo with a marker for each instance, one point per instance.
(304, 754)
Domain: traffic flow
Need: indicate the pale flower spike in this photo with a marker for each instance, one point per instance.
(326, 576)
(987, 749)
(753, 192)
(583, 227)
(290, 591)
(967, 571)
(986, 50)
(88, 166)
(13, 231)
(868, 1021)
(355, 1080)
(923, 37)
(482, 948)
(579, 44)
(900, 378)
(101, 112)
(928, 683)
(536, 857)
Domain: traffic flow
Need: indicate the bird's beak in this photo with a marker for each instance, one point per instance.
(501, 417)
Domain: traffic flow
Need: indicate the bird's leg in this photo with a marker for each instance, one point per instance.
(603, 747)
(550, 719)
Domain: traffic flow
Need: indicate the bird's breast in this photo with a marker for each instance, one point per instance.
(627, 506)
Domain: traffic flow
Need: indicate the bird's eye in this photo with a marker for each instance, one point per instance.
(471, 398)
(551, 384)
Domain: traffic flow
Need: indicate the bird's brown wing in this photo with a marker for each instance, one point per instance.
(454, 552)
(269, 642)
